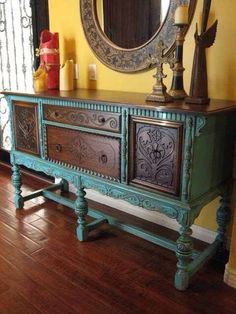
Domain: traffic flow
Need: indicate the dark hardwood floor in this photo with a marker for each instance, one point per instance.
(44, 269)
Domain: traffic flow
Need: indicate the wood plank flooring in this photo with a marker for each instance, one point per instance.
(45, 269)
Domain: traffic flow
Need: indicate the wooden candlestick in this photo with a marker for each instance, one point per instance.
(177, 87)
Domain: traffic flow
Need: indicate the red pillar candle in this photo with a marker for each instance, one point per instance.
(49, 56)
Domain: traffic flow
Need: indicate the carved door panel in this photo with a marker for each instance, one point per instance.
(25, 120)
(155, 154)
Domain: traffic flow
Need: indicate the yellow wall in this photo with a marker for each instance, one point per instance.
(65, 19)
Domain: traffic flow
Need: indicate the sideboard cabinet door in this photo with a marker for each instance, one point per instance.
(155, 154)
(25, 123)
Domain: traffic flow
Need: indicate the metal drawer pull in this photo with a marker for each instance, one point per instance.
(104, 159)
(101, 120)
(58, 148)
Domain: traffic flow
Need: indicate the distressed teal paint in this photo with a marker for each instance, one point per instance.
(146, 199)
(82, 105)
(203, 138)
(124, 146)
(59, 199)
(42, 192)
(200, 124)
(96, 223)
(199, 261)
(9, 101)
(223, 217)
(187, 158)
(81, 210)
(213, 154)
(41, 130)
(16, 182)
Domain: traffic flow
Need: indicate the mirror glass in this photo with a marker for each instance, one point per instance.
(131, 23)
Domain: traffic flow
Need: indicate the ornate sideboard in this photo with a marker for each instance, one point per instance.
(173, 159)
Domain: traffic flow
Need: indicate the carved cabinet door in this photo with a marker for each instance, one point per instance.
(155, 154)
(25, 122)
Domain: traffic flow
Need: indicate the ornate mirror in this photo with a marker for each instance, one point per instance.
(124, 33)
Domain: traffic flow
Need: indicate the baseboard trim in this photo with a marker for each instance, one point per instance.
(230, 276)
(199, 233)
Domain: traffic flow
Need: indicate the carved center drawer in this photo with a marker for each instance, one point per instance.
(79, 117)
(98, 154)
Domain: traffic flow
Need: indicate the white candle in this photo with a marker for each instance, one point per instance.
(67, 76)
(181, 15)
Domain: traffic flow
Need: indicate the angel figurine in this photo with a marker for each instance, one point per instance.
(199, 88)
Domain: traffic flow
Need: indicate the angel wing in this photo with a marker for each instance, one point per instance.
(207, 38)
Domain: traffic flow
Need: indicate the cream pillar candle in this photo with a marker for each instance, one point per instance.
(67, 75)
(181, 15)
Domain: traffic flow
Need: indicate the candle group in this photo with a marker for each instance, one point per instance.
(181, 15)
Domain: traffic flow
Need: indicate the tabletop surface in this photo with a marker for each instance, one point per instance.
(130, 99)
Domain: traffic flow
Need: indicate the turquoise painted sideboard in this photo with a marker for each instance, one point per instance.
(172, 158)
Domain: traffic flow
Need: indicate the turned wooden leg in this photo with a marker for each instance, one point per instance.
(223, 218)
(81, 210)
(184, 248)
(16, 182)
(64, 185)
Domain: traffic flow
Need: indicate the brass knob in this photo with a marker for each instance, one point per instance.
(101, 119)
(58, 148)
(104, 159)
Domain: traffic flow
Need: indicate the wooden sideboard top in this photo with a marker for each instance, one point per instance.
(130, 99)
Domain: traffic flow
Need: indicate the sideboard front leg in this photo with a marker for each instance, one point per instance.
(64, 185)
(16, 182)
(223, 218)
(184, 248)
(81, 210)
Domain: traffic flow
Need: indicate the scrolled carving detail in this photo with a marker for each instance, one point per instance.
(85, 118)
(132, 198)
(51, 170)
(200, 124)
(156, 155)
(188, 157)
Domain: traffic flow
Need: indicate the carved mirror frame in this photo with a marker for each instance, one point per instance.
(129, 60)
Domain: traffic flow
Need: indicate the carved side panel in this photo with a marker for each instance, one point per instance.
(88, 118)
(25, 119)
(98, 154)
(155, 154)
